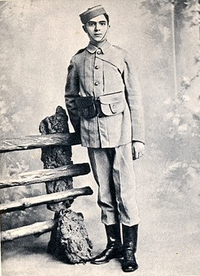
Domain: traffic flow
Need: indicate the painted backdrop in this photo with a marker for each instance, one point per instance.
(38, 38)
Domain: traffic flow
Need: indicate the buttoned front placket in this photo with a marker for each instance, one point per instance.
(98, 91)
(98, 74)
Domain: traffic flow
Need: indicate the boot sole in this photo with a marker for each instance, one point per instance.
(99, 263)
(130, 269)
(106, 261)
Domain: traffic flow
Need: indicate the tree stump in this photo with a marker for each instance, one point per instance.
(57, 156)
(72, 242)
(69, 239)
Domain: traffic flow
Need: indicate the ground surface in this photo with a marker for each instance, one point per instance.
(169, 239)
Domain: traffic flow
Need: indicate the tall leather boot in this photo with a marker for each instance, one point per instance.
(114, 245)
(129, 247)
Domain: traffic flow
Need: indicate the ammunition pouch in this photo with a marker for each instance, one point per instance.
(106, 105)
(86, 107)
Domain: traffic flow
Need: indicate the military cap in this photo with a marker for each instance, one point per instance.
(91, 13)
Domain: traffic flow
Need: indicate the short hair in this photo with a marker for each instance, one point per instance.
(107, 17)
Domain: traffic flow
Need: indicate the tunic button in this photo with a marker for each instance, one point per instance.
(98, 52)
(96, 67)
(96, 83)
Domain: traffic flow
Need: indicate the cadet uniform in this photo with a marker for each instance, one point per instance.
(108, 123)
(97, 72)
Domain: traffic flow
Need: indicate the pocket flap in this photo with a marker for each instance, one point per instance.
(112, 104)
(111, 98)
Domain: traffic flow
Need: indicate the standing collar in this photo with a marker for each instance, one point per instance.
(92, 48)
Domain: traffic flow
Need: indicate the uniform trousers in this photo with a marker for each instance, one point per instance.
(113, 171)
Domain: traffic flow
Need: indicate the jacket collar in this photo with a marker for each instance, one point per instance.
(104, 48)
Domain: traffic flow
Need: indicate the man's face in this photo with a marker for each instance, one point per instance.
(97, 28)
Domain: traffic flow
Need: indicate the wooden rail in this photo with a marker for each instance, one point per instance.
(44, 175)
(39, 200)
(38, 141)
(40, 176)
(35, 228)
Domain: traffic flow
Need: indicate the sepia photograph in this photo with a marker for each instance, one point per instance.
(100, 137)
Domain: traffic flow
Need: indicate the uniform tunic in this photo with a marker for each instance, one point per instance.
(96, 72)
(101, 71)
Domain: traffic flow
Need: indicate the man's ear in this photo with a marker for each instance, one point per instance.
(84, 28)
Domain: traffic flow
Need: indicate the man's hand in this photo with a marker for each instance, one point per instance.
(138, 150)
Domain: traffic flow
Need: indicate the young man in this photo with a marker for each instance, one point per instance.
(104, 104)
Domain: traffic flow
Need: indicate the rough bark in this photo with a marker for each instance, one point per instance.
(57, 156)
(69, 239)
(72, 244)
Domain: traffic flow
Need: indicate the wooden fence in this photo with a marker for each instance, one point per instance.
(39, 176)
